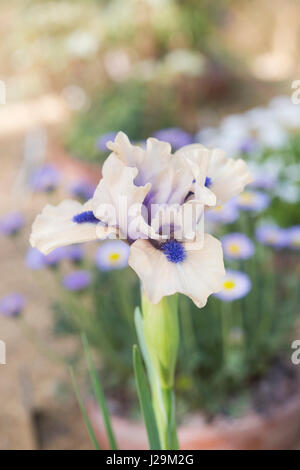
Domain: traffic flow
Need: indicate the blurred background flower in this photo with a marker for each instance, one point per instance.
(235, 286)
(34, 259)
(176, 137)
(237, 246)
(271, 235)
(11, 305)
(253, 201)
(293, 237)
(11, 223)
(45, 178)
(77, 280)
(112, 255)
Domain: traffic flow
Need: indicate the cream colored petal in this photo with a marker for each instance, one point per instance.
(54, 227)
(171, 178)
(203, 271)
(198, 276)
(149, 161)
(229, 176)
(131, 155)
(204, 196)
(117, 200)
(157, 158)
(197, 157)
(184, 222)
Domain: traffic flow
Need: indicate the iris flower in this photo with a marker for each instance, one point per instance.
(154, 201)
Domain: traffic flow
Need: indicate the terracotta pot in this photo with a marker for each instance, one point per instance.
(279, 430)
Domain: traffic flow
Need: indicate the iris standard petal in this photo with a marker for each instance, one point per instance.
(228, 177)
(170, 177)
(117, 200)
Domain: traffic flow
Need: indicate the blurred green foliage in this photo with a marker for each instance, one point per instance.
(200, 18)
(227, 346)
(285, 213)
(133, 107)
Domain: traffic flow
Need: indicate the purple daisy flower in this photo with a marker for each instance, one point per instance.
(176, 137)
(293, 237)
(77, 280)
(235, 286)
(253, 201)
(271, 235)
(11, 305)
(263, 181)
(45, 178)
(103, 139)
(83, 189)
(11, 223)
(75, 253)
(112, 254)
(34, 259)
(225, 214)
(57, 255)
(248, 146)
(237, 246)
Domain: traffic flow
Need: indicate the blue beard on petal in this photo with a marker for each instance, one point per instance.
(85, 217)
(208, 182)
(174, 251)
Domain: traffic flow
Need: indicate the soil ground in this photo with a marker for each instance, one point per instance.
(37, 408)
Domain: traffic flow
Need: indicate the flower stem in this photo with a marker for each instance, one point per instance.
(164, 409)
(161, 339)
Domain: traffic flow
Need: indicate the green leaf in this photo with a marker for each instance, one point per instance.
(83, 411)
(99, 393)
(145, 400)
(139, 325)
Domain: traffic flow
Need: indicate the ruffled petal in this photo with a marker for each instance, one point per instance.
(130, 155)
(55, 227)
(117, 200)
(197, 158)
(199, 275)
(228, 176)
(171, 178)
